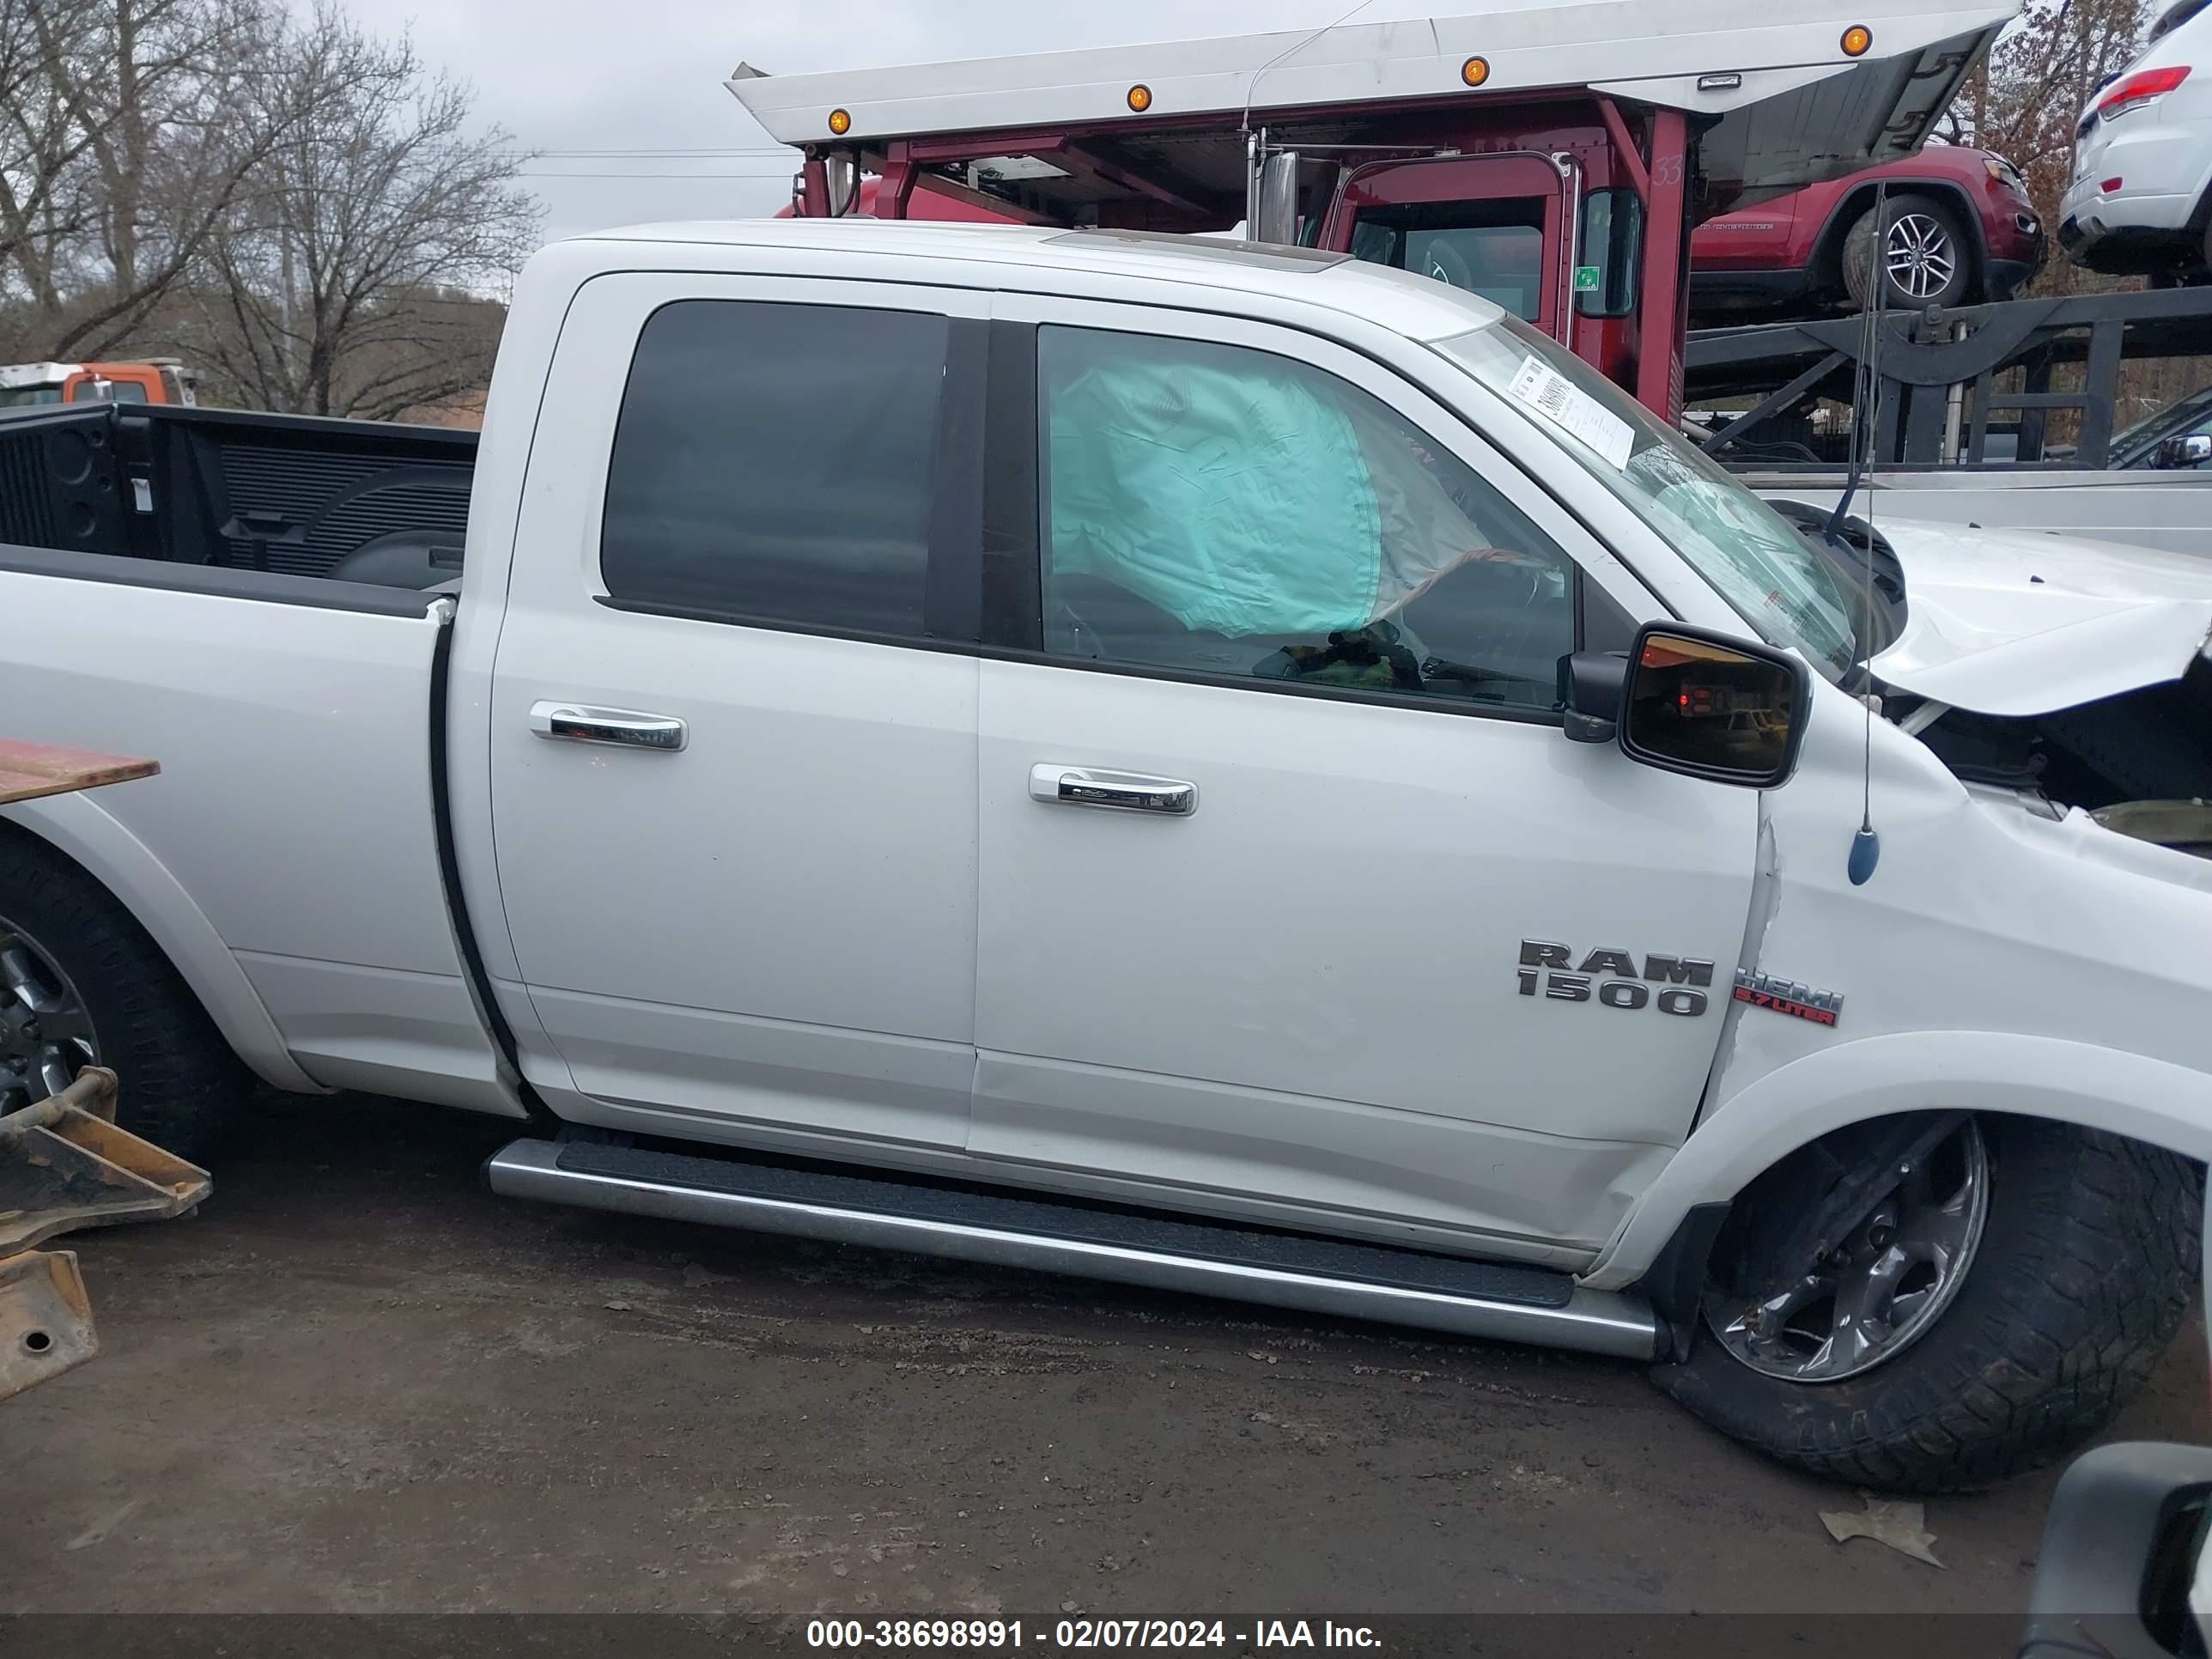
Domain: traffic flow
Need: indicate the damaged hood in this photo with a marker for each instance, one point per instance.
(2017, 623)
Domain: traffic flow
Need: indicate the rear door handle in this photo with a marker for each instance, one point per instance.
(626, 728)
(1116, 792)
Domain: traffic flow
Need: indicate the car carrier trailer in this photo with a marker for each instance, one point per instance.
(1554, 157)
(1963, 412)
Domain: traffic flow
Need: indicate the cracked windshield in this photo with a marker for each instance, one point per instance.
(1760, 562)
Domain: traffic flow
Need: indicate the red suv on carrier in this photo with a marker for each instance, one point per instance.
(1963, 232)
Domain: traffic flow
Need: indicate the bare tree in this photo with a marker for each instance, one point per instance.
(42, 146)
(127, 129)
(352, 277)
(174, 129)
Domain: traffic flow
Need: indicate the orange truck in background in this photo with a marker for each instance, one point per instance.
(155, 381)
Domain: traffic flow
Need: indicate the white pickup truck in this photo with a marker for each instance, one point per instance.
(1231, 769)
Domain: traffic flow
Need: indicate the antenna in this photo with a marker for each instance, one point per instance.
(1244, 123)
(1866, 425)
(1862, 393)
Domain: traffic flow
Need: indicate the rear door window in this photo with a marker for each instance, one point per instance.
(776, 463)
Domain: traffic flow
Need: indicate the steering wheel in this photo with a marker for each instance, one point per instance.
(1447, 265)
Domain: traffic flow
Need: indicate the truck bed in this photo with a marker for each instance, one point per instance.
(264, 603)
(287, 496)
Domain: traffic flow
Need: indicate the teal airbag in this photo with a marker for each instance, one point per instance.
(1227, 487)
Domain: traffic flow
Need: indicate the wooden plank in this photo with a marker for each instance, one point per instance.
(28, 770)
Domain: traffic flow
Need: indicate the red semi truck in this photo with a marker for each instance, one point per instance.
(1552, 157)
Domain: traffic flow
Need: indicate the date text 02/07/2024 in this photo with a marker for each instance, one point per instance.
(988, 1635)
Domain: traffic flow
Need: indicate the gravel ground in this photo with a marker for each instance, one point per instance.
(358, 1382)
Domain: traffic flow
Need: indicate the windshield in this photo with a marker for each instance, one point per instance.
(1760, 563)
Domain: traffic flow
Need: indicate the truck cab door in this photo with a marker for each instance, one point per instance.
(732, 728)
(1493, 224)
(1269, 895)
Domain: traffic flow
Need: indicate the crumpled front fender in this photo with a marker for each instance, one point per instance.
(2149, 1100)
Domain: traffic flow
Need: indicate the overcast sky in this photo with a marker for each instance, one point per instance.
(640, 75)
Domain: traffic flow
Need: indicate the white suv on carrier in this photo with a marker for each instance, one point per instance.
(2141, 198)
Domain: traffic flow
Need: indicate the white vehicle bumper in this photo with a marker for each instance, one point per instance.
(2162, 170)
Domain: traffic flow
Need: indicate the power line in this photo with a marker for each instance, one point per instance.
(777, 172)
(732, 152)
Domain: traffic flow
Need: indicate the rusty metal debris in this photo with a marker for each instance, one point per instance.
(64, 1166)
(46, 1319)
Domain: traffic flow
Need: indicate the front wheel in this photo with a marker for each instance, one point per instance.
(1986, 1307)
(1926, 259)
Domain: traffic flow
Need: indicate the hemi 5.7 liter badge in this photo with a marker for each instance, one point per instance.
(1786, 997)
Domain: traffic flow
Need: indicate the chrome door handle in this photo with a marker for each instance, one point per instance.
(577, 722)
(1117, 792)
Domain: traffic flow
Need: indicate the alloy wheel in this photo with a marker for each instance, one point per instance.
(45, 1032)
(1921, 257)
(1882, 1288)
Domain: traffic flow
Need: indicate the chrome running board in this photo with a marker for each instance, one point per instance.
(1314, 1275)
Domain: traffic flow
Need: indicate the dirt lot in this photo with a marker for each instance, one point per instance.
(358, 1382)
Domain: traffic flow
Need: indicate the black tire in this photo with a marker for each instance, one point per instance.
(1915, 213)
(2081, 1280)
(180, 1080)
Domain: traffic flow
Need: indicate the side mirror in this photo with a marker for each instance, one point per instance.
(2174, 454)
(1591, 686)
(1278, 220)
(1709, 706)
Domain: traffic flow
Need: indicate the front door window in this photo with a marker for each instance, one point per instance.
(1220, 510)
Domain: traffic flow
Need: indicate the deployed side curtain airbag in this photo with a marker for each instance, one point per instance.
(1229, 493)
(1240, 493)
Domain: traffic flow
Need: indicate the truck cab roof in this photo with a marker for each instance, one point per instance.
(1060, 261)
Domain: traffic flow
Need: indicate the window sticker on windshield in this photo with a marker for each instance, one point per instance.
(1570, 408)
